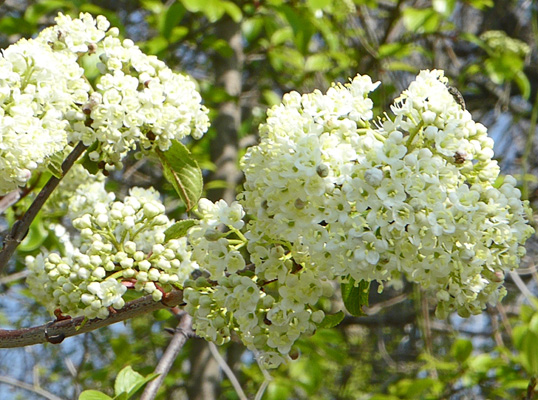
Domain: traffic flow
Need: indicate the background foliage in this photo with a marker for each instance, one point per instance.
(245, 55)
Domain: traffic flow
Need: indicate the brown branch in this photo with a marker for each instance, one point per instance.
(20, 228)
(56, 331)
(182, 332)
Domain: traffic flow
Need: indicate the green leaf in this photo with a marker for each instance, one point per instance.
(193, 5)
(141, 384)
(332, 320)
(182, 171)
(481, 4)
(179, 229)
(35, 237)
(355, 296)
(445, 7)
(461, 349)
(530, 352)
(88, 164)
(318, 4)
(232, 10)
(401, 66)
(533, 324)
(397, 49)
(127, 379)
(170, 19)
(162, 315)
(524, 85)
(421, 20)
(317, 62)
(303, 29)
(93, 395)
(54, 164)
(156, 45)
(35, 11)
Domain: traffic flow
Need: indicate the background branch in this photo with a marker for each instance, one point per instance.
(31, 388)
(181, 334)
(56, 331)
(228, 371)
(20, 228)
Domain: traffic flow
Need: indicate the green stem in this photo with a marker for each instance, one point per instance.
(413, 134)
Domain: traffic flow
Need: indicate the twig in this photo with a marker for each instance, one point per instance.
(227, 370)
(31, 388)
(181, 334)
(267, 379)
(56, 331)
(20, 228)
(522, 287)
(9, 199)
(14, 277)
(530, 389)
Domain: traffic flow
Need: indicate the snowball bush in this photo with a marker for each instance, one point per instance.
(333, 194)
(120, 245)
(77, 81)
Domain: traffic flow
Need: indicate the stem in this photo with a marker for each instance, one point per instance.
(20, 227)
(55, 332)
(412, 135)
(182, 333)
(227, 370)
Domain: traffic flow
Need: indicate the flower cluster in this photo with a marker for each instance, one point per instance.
(120, 99)
(416, 194)
(121, 245)
(268, 311)
(39, 93)
(137, 99)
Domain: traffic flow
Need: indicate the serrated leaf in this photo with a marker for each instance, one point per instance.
(93, 395)
(179, 229)
(355, 296)
(332, 320)
(126, 380)
(182, 171)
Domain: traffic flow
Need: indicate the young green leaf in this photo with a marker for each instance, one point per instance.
(88, 164)
(126, 380)
(93, 395)
(179, 229)
(182, 171)
(355, 296)
(332, 320)
(54, 164)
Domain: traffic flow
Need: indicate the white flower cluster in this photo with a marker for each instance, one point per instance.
(47, 101)
(417, 194)
(121, 245)
(137, 99)
(268, 312)
(39, 92)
